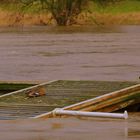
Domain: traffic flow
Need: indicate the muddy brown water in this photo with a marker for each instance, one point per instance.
(85, 53)
(72, 128)
(81, 53)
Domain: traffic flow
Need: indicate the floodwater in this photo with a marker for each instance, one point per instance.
(72, 129)
(81, 53)
(73, 53)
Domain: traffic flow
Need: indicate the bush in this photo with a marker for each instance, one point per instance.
(63, 11)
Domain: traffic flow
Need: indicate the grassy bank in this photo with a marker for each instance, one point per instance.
(125, 6)
(125, 12)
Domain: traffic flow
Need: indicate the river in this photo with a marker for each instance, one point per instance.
(41, 53)
(72, 128)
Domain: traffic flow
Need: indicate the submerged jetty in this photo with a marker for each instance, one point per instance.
(100, 96)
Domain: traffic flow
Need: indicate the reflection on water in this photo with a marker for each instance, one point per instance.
(71, 128)
(134, 133)
(82, 52)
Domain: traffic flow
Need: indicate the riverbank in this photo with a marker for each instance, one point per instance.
(18, 19)
(124, 13)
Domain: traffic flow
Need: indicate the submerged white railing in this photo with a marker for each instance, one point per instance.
(59, 111)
